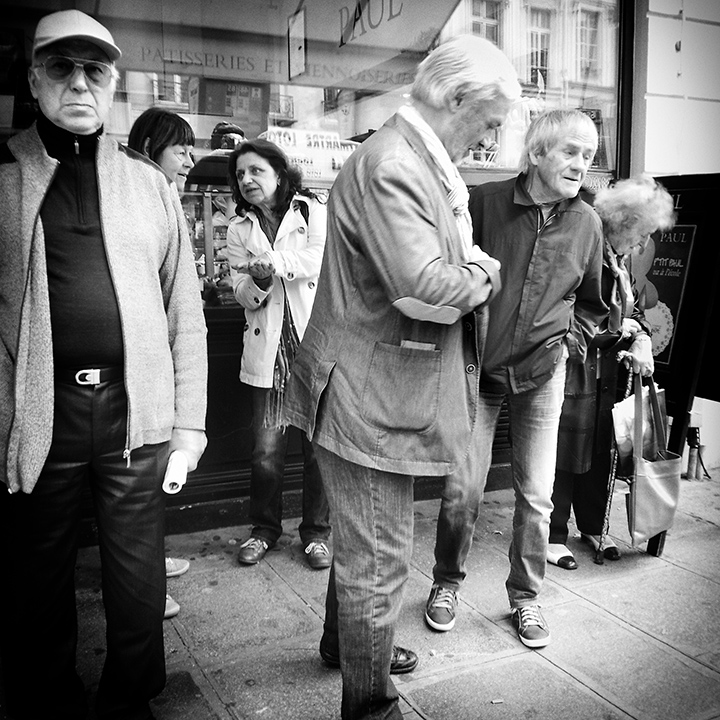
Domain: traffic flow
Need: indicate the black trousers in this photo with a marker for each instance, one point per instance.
(40, 537)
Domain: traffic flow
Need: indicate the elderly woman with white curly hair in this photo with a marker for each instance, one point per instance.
(631, 211)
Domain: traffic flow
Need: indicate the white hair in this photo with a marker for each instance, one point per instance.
(637, 199)
(465, 64)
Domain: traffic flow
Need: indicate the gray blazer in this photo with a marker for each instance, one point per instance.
(387, 373)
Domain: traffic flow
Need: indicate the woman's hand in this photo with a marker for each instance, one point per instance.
(261, 267)
(630, 328)
(639, 357)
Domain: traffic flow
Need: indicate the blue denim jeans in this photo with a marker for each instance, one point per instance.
(266, 482)
(372, 515)
(534, 420)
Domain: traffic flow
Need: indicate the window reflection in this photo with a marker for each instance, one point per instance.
(358, 61)
(338, 69)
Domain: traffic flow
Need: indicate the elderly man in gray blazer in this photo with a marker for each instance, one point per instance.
(386, 379)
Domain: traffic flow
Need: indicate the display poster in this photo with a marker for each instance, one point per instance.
(661, 273)
(319, 155)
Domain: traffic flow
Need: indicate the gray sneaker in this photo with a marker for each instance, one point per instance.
(531, 626)
(440, 608)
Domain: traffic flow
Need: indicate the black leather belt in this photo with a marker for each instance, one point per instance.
(89, 376)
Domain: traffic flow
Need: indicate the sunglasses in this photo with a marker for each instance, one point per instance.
(59, 68)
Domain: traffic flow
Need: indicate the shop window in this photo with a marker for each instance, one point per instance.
(486, 19)
(212, 66)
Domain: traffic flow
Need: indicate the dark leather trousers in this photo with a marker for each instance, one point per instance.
(40, 537)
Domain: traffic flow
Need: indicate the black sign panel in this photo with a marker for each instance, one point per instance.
(663, 270)
(680, 277)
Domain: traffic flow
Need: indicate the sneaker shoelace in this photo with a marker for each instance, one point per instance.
(444, 598)
(317, 548)
(254, 543)
(531, 616)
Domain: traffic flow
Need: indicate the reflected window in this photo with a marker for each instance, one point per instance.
(359, 62)
(588, 45)
(539, 41)
(170, 89)
(486, 19)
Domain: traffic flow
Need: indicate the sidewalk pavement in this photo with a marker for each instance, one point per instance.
(638, 638)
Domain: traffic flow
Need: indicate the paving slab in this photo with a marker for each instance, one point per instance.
(276, 683)
(184, 699)
(227, 610)
(672, 605)
(701, 498)
(645, 677)
(474, 639)
(523, 686)
(697, 551)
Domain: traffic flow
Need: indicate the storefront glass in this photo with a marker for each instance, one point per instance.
(319, 76)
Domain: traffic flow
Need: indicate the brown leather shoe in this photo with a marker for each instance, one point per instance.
(402, 660)
(318, 555)
(252, 551)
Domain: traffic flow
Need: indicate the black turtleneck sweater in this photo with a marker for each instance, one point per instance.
(84, 313)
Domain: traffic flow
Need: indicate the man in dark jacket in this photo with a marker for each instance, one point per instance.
(102, 374)
(549, 243)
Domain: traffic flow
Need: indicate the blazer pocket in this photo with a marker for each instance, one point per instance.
(402, 388)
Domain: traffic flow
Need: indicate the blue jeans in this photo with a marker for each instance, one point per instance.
(372, 515)
(534, 420)
(266, 482)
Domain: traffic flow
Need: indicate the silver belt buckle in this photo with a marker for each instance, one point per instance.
(88, 377)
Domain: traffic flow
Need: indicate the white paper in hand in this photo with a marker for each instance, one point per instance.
(176, 472)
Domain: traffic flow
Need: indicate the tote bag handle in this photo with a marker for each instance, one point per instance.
(656, 419)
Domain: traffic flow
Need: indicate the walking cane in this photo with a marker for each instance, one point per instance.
(600, 552)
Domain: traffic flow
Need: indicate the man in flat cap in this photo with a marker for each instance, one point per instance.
(102, 374)
(226, 136)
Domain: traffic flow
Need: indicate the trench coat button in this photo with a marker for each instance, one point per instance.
(301, 230)
(291, 276)
(311, 284)
(470, 369)
(468, 326)
(257, 300)
(257, 331)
